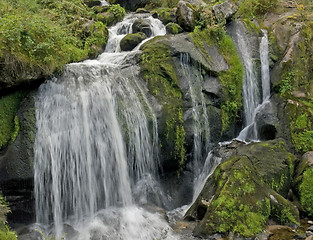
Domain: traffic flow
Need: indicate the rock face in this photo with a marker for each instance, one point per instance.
(165, 56)
(130, 41)
(185, 16)
(142, 25)
(225, 10)
(16, 166)
(246, 190)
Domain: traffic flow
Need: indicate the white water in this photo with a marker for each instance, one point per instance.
(201, 128)
(82, 162)
(251, 94)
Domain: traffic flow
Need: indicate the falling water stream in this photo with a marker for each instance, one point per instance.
(253, 97)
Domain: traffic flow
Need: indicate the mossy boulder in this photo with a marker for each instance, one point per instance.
(173, 28)
(142, 25)
(243, 193)
(130, 41)
(304, 183)
(166, 15)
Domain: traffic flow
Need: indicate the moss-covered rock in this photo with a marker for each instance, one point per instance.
(243, 192)
(173, 28)
(130, 41)
(142, 25)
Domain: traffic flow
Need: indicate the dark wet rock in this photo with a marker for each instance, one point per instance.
(130, 41)
(92, 3)
(142, 25)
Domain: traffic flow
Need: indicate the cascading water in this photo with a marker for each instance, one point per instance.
(252, 100)
(83, 163)
(201, 128)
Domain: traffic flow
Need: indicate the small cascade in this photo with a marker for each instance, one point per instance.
(265, 67)
(251, 94)
(201, 126)
(209, 166)
(96, 146)
(199, 111)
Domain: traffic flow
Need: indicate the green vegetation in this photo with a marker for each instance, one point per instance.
(159, 72)
(9, 124)
(254, 8)
(306, 192)
(5, 232)
(47, 34)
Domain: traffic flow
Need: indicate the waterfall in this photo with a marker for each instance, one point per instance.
(265, 70)
(201, 128)
(252, 100)
(93, 147)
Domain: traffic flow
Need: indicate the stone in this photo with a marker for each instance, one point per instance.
(310, 228)
(185, 16)
(267, 121)
(130, 41)
(257, 169)
(92, 3)
(225, 10)
(142, 25)
(173, 28)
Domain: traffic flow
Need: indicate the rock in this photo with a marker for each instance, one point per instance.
(267, 121)
(310, 228)
(16, 166)
(142, 10)
(165, 15)
(173, 28)
(246, 184)
(185, 16)
(130, 41)
(212, 85)
(92, 3)
(132, 5)
(309, 233)
(225, 10)
(310, 222)
(142, 25)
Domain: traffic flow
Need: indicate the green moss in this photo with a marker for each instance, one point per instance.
(251, 27)
(306, 191)
(255, 8)
(234, 208)
(158, 70)
(9, 125)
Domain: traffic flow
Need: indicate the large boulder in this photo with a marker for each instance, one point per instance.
(142, 25)
(246, 190)
(130, 41)
(225, 10)
(185, 16)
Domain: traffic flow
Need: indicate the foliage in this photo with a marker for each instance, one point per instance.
(9, 125)
(46, 34)
(118, 11)
(306, 191)
(254, 8)
(5, 232)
